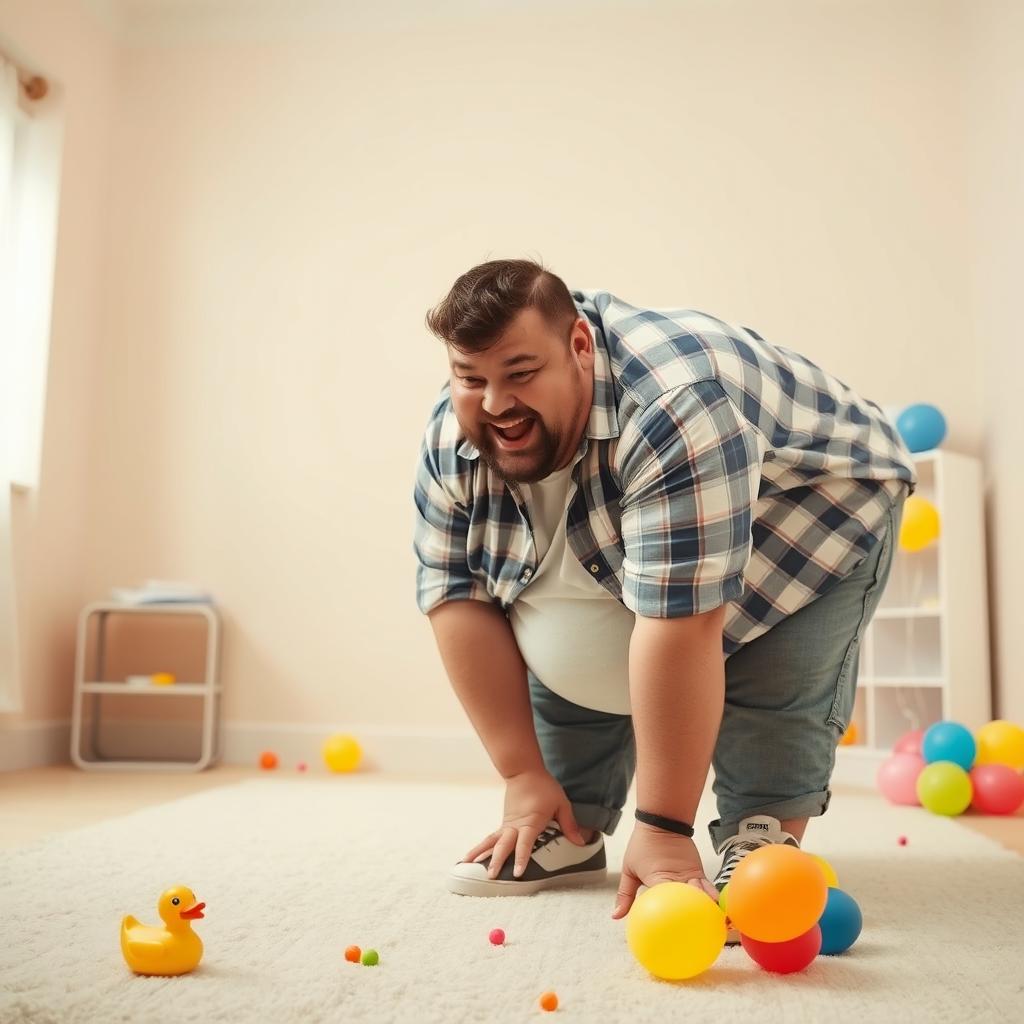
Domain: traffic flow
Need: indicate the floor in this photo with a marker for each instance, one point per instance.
(43, 801)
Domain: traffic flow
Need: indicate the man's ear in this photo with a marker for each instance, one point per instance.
(581, 343)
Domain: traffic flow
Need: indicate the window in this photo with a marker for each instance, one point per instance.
(29, 174)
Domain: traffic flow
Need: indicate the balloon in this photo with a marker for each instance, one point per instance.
(840, 923)
(830, 874)
(1001, 742)
(944, 788)
(722, 899)
(921, 426)
(776, 893)
(342, 753)
(675, 930)
(949, 741)
(784, 957)
(909, 742)
(998, 789)
(897, 778)
(920, 526)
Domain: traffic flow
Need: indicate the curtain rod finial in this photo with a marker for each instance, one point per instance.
(35, 87)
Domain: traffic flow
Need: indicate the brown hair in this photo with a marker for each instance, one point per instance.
(485, 300)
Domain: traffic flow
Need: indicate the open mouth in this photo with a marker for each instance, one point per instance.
(514, 435)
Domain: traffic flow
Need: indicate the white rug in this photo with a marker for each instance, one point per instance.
(293, 871)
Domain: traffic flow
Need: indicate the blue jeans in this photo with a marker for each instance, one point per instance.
(788, 700)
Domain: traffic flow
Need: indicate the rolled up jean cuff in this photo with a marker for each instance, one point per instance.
(604, 819)
(809, 805)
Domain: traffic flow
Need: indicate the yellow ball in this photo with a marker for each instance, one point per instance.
(944, 788)
(675, 930)
(342, 753)
(920, 526)
(830, 873)
(1001, 742)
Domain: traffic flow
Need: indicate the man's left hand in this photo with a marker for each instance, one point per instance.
(654, 855)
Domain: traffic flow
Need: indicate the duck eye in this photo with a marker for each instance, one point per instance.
(175, 901)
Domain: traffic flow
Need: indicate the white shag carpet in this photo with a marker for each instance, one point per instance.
(294, 870)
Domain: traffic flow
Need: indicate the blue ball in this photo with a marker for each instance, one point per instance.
(921, 426)
(840, 922)
(949, 741)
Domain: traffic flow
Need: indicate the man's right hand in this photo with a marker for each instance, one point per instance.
(532, 800)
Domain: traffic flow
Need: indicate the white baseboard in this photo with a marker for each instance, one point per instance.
(857, 766)
(34, 745)
(426, 752)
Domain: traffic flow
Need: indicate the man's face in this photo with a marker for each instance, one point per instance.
(533, 383)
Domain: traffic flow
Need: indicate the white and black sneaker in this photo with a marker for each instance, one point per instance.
(754, 832)
(555, 861)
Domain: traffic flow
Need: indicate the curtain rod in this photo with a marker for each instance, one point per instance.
(35, 87)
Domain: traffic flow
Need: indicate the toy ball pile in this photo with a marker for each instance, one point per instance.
(946, 769)
(784, 902)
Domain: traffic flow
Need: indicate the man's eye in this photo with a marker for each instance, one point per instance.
(523, 373)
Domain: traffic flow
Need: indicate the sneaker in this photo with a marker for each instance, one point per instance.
(555, 861)
(754, 832)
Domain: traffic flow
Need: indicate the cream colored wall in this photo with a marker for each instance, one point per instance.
(995, 81)
(52, 526)
(291, 190)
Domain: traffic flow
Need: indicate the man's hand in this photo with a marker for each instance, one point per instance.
(532, 799)
(654, 855)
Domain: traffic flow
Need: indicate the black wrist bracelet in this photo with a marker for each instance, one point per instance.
(668, 824)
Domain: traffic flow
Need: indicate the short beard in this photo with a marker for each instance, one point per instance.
(547, 456)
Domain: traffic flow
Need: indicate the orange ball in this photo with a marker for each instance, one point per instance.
(776, 893)
(353, 954)
(268, 760)
(549, 1001)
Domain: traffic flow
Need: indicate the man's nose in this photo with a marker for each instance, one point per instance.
(497, 401)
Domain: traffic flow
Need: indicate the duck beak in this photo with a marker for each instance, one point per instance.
(194, 912)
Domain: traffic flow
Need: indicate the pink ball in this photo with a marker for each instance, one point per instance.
(910, 742)
(998, 789)
(897, 778)
(302, 766)
(497, 937)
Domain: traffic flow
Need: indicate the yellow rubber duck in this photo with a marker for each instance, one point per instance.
(174, 949)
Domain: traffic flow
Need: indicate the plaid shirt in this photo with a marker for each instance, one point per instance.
(715, 469)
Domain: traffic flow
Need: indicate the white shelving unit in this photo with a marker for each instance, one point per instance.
(93, 685)
(925, 654)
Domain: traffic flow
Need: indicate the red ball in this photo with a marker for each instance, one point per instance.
(998, 789)
(902, 840)
(497, 937)
(268, 760)
(784, 957)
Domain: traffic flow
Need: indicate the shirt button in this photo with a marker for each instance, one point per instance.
(595, 567)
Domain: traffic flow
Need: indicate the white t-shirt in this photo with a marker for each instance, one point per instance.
(571, 632)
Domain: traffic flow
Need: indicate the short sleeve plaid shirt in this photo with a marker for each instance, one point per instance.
(716, 468)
